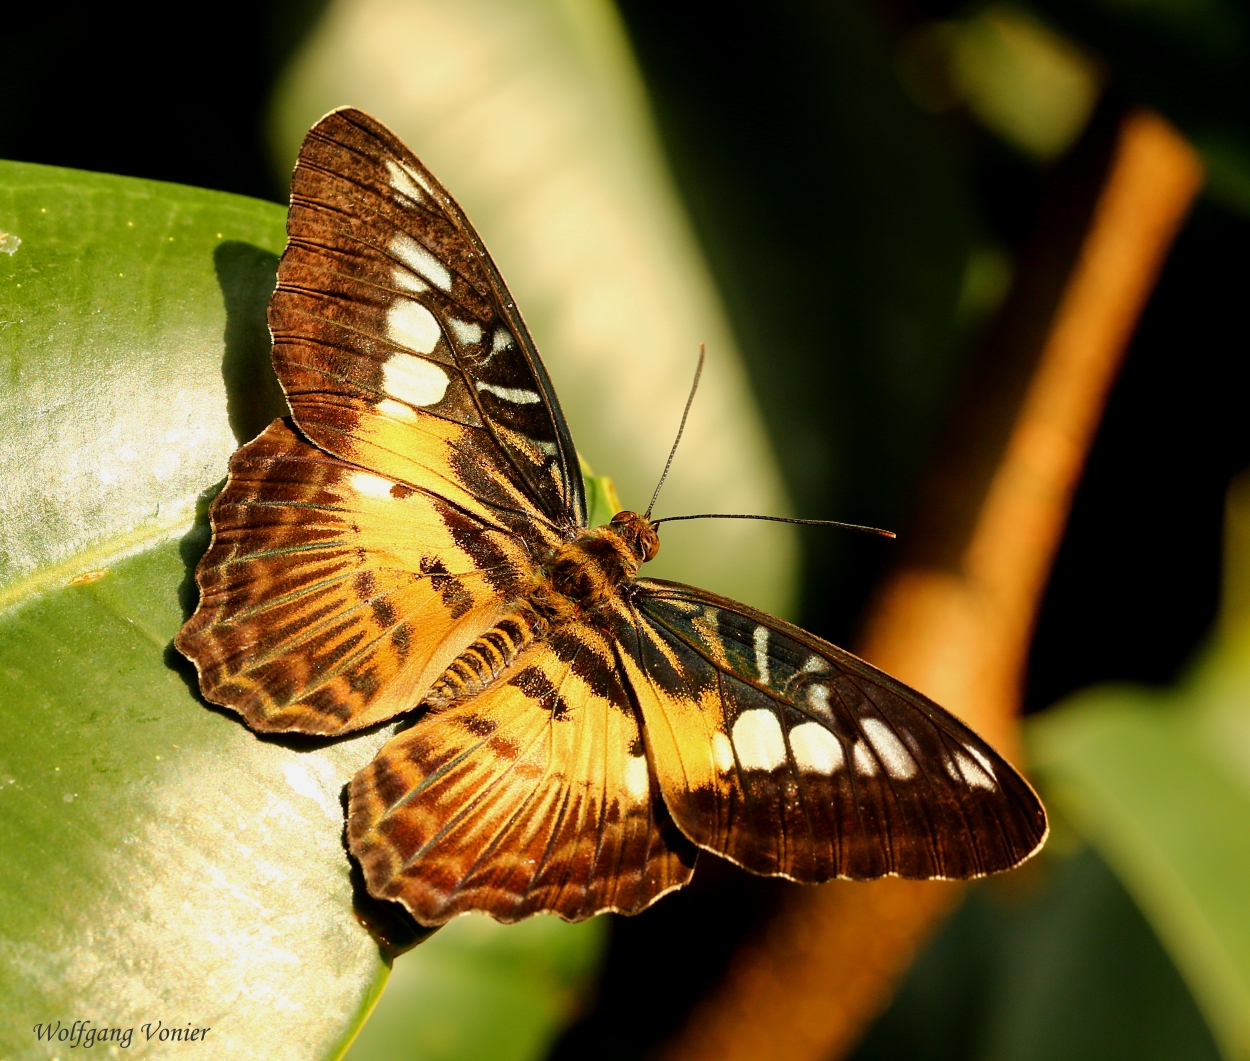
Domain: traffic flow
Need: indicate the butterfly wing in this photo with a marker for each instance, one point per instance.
(396, 341)
(792, 757)
(343, 575)
(534, 795)
(333, 597)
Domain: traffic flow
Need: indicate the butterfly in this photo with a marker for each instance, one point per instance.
(414, 539)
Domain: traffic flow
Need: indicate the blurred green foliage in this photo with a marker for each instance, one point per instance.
(1189, 59)
(1159, 783)
(1025, 82)
(1053, 964)
(1064, 960)
(481, 990)
(841, 228)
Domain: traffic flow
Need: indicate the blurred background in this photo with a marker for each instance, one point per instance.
(840, 197)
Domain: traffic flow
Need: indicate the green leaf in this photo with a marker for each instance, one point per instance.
(162, 865)
(601, 500)
(481, 990)
(1159, 783)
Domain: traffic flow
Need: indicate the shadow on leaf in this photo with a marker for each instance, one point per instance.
(247, 275)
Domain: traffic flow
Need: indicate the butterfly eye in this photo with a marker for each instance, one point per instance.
(649, 542)
(638, 533)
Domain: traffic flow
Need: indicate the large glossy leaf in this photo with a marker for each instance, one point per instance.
(163, 868)
(1159, 783)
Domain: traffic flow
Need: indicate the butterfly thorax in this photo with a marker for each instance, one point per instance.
(582, 576)
(576, 582)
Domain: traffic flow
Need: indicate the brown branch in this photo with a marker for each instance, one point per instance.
(956, 620)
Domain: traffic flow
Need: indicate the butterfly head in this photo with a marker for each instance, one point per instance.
(638, 533)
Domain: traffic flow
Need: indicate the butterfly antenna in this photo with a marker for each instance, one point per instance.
(680, 428)
(781, 519)
(734, 515)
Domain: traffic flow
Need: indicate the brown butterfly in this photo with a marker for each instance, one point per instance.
(415, 537)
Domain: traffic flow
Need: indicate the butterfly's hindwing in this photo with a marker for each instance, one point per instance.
(332, 597)
(793, 757)
(390, 314)
(532, 795)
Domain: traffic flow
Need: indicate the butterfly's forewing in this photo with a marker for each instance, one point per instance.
(534, 795)
(396, 341)
(331, 596)
(792, 757)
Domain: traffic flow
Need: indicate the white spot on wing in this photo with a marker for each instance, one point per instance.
(973, 774)
(979, 757)
(898, 763)
(816, 750)
(414, 380)
(412, 326)
(501, 340)
(865, 764)
(818, 698)
(419, 260)
(396, 411)
(467, 332)
(405, 281)
(637, 777)
(722, 752)
(813, 664)
(760, 637)
(758, 740)
(404, 180)
(371, 485)
(515, 395)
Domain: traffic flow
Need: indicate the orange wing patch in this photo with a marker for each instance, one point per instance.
(450, 460)
(535, 795)
(333, 597)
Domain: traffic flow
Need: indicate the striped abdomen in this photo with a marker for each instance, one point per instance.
(488, 657)
(577, 581)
